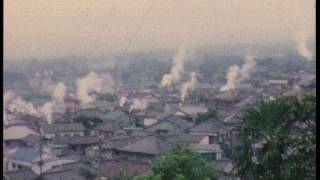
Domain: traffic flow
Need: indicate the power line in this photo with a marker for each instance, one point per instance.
(135, 34)
(111, 12)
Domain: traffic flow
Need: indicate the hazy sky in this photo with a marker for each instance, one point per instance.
(57, 28)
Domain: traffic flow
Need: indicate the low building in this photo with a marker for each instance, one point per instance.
(13, 136)
(64, 145)
(144, 149)
(111, 169)
(22, 174)
(171, 125)
(226, 100)
(29, 157)
(50, 131)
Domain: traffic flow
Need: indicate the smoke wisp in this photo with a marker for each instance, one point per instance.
(232, 75)
(59, 92)
(47, 110)
(236, 74)
(302, 47)
(189, 85)
(122, 101)
(93, 83)
(138, 104)
(176, 68)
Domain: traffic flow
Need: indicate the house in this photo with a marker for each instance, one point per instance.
(214, 129)
(13, 135)
(31, 140)
(109, 146)
(171, 125)
(111, 169)
(190, 111)
(21, 174)
(29, 157)
(62, 129)
(106, 130)
(211, 152)
(146, 117)
(63, 145)
(144, 149)
(226, 100)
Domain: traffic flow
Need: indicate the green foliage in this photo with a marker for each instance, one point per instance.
(202, 117)
(123, 175)
(288, 152)
(181, 163)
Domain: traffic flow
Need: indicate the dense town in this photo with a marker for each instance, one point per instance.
(99, 130)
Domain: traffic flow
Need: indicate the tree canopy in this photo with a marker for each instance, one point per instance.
(182, 163)
(278, 139)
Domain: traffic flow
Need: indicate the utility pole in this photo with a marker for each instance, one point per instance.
(99, 158)
(41, 161)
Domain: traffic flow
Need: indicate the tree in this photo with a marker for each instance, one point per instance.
(202, 117)
(182, 163)
(278, 139)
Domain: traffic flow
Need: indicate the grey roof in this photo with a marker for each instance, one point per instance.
(113, 115)
(118, 141)
(70, 166)
(63, 127)
(28, 154)
(80, 140)
(190, 138)
(206, 147)
(209, 127)
(227, 96)
(32, 138)
(65, 175)
(22, 174)
(179, 122)
(153, 145)
(108, 126)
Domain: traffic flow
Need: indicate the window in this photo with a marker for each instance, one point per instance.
(211, 139)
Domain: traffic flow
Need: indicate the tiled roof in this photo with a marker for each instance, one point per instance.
(154, 145)
(76, 140)
(108, 126)
(26, 153)
(17, 132)
(211, 126)
(32, 138)
(190, 138)
(179, 122)
(63, 127)
(206, 147)
(65, 175)
(118, 141)
(112, 168)
(113, 115)
(22, 174)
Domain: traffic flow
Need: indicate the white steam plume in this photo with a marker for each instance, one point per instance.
(247, 67)
(232, 75)
(122, 101)
(138, 104)
(21, 106)
(176, 69)
(92, 83)
(301, 40)
(189, 85)
(47, 110)
(59, 92)
(7, 97)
